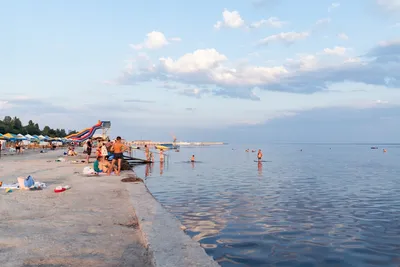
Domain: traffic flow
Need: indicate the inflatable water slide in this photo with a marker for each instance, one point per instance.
(86, 133)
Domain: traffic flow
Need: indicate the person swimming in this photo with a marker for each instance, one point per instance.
(192, 159)
(259, 155)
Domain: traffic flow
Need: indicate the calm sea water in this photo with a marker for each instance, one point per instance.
(327, 205)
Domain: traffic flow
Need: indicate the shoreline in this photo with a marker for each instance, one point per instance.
(89, 224)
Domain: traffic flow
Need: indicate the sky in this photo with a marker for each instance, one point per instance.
(235, 71)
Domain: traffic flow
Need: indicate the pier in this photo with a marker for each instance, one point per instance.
(141, 143)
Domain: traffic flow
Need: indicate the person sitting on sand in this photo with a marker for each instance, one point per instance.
(192, 158)
(71, 152)
(103, 166)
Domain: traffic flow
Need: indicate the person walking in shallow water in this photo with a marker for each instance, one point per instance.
(259, 155)
(161, 155)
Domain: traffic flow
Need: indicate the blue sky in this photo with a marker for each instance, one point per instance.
(205, 70)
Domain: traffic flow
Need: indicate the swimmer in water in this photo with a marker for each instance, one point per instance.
(259, 155)
(192, 158)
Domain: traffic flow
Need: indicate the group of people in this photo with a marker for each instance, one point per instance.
(150, 156)
(108, 158)
(259, 154)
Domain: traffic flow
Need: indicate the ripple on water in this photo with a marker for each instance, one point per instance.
(315, 208)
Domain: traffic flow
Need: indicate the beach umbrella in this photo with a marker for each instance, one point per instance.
(9, 135)
(41, 137)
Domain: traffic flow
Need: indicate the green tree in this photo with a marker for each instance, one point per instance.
(15, 126)
(46, 130)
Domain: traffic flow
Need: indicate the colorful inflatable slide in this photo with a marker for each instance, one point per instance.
(85, 133)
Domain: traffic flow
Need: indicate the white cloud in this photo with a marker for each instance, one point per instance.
(175, 39)
(207, 68)
(389, 5)
(154, 40)
(194, 92)
(305, 62)
(333, 6)
(270, 22)
(369, 104)
(337, 51)
(343, 36)
(352, 60)
(285, 37)
(199, 60)
(231, 19)
(323, 21)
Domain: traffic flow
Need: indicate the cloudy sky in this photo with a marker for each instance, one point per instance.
(237, 70)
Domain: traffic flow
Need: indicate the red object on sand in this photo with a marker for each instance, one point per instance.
(59, 190)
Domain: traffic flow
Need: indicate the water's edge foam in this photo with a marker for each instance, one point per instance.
(167, 244)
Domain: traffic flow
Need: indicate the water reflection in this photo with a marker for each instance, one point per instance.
(161, 168)
(148, 169)
(311, 210)
(192, 165)
(259, 167)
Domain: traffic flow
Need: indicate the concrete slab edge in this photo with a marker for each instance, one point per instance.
(167, 243)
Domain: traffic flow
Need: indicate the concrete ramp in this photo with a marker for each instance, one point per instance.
(168, 244)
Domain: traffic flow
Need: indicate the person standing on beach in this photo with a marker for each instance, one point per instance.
(88, 149)
(118, 149)
(104, 151)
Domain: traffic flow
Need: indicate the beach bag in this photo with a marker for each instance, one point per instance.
(89, 171)
(25, 182)
(29, 181)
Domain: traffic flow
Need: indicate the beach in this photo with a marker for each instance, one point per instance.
(92, 224)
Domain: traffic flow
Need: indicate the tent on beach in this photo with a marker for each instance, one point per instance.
(20, 137)
(10, 137)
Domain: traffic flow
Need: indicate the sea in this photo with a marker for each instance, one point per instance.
(305, 205)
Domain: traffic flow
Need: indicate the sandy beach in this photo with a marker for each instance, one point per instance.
(91, 224)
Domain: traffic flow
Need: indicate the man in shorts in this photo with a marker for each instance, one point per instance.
(118, 149)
